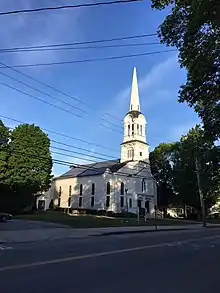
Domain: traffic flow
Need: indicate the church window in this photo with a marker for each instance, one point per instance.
(130, 202)
(138, 129)
(140, 154)
(59, 196)
(107, 203)
(132, 128)
(108, 188)
(92, 201)
(122, 188)
(69, 201)
(70, 194)
(122, 201)
(139, 203)
(129, 129)
(147, 206)
(141, 129)
(131, 107)
(131, 153)
(80, 189)
(143, 186)
(93, 188)
(80, 201)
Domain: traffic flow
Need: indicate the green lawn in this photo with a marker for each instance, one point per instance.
(90, 221)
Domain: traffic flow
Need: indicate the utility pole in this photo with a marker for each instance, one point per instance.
(200, 192)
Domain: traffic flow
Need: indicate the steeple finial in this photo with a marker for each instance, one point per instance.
(134, 102)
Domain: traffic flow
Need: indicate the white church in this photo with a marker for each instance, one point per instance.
(122, 185)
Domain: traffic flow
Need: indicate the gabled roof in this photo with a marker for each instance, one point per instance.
(93, 169)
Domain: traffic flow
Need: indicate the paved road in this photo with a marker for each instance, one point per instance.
(183, 262)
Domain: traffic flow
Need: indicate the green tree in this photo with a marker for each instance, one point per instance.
(161, 160)
(4, 137)
(174, 167)
(29, 163)
(193, 27)
(5, 190)
(194, 146)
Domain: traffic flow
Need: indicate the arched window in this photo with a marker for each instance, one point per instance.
(80, 202)
(147, 206)
(93, 188)
(129, 129)
(59, 196)
(122, 188)
(138, 129)
(70, 194)
(107, 202)
(80, 189)
(132, 128)
(141, 130)
(143, 185)
(130, 202)
(92, 201)
(108, 188)
(70, 190)
(121, 201)
(132, 153)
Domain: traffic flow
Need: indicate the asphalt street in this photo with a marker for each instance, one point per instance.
(181, 261)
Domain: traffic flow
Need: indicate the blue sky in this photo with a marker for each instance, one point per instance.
(104, 85)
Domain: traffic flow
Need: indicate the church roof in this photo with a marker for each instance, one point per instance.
(93, 169)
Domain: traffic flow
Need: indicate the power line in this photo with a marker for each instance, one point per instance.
(81, 43)
(108, 127)
(61, 154)
(77, 48)
(138, 169)
(62, 135)
(50, 104)
(83, 167)
(39, 99)
(91, 60)
(82, 149)
(53, 88)
(67, 7)
(42, 92)
(85, 159)
(79, 153)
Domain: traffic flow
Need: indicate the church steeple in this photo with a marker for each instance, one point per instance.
(134, 146)
(134, 101)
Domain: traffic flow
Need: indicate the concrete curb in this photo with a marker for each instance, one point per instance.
(142, 231)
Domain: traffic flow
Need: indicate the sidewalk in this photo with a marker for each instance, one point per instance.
(31, 235)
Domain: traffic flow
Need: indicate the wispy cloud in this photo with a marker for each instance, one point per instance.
(36, 29)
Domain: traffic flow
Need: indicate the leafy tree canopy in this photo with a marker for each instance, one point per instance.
(193, 27)
(25, 165)
(174, 167)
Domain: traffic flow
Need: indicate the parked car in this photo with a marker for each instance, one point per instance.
(4, 217)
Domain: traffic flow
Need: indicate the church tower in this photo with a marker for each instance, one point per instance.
(134, 146)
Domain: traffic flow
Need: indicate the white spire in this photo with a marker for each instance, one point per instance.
(134, 102)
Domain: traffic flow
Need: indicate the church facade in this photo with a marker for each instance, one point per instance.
(122, 185)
